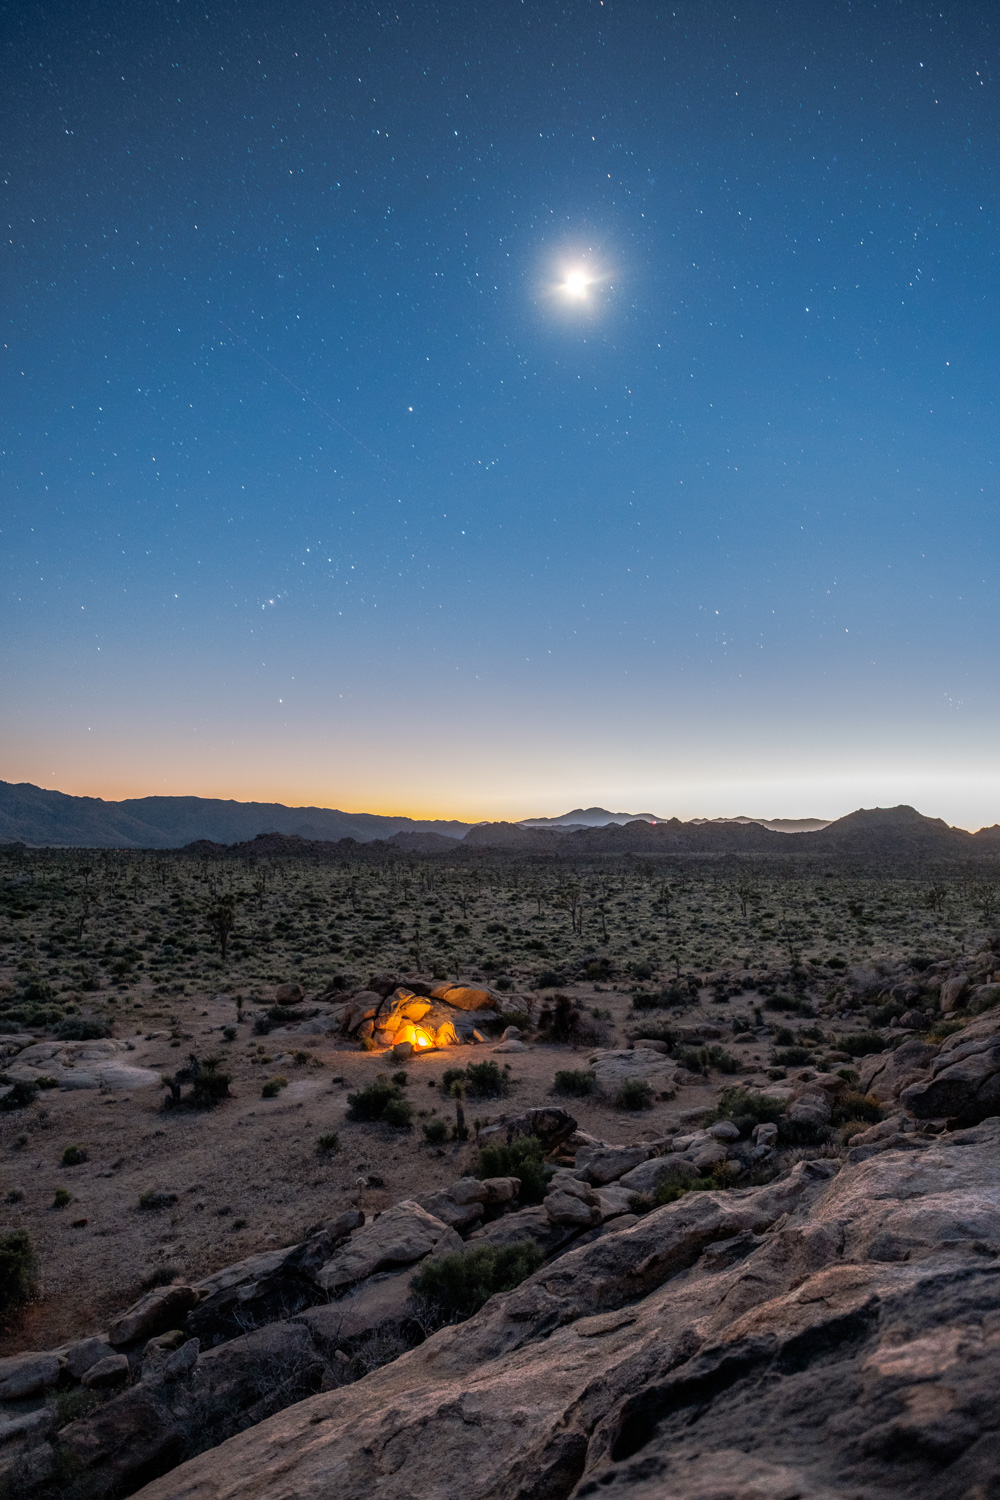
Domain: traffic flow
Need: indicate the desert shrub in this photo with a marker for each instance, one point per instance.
(450, 1077)
(74, 1155)
(853, 1105)
(486, 1081)
(678, 1182)
(719, 1058)
(746, 1108)
(801, 1133)
(457, 1285)
(522, 1157)
(601, 968)
(634, 1094)
(401, 1078)
(230, 1033)
(273, 1087)
(987, 999)
(576, 1081)
(654, 1033)
(82, 1029)
(792, 1057)
(154, 1199)
(60, 1198)
(550, 979)
(22, 1093)
(74, 1404)
(860, 1043)
(560, 1021)
(18, 1271)
(436, 1132)
(849, 1075)
(209, 1084)
(945, 1029)
(369, 1103)
(881, 1015)
(328, 1142)
(851, 1128)
(398, 1112)
(788, 1005)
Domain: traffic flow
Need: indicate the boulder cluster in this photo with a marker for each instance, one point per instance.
(409, 1012)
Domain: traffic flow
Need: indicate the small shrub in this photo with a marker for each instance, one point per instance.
(549, 979)
(745, 1108)
(801, 1133)
(449, 1077)
(523, 1158)
(154, 1199)
(209, 1085)
(273, 1087)
(851, 1128)
(82, 1029)
(457, 1285)
(15, 1195)
(230, 1033)
(633, 1095)
(369, 1103)
(560, 1021)
(328, 1142)
(22, 1093)
(861, 1043)
(853, 1105)
(792, 1057)
(574, 1081)
(60, 1198)
(436, 1132)
(719, 1058)
(788, 1004)
(987, 999)
(398, 1112)
(74, 1155)
(485, 1081)
(18, 1271)
(401, 1078)
(74, 1404)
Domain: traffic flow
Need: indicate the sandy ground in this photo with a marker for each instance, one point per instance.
(248, 1175)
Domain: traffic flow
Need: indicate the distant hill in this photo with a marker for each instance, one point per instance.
(878, 832)
(31, 815)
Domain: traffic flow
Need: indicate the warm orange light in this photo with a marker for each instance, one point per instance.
(421, 1039)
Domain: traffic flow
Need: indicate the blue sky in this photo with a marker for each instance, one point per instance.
(316, 487)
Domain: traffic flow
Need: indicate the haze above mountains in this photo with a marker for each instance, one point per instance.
(33, 815)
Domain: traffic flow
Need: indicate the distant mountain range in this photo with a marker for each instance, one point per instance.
(32, 815)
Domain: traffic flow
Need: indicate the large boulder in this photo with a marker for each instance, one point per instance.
(953, 992)
(600, 1164)
(26, 1374)
(164, 1307)
(462, 997)
(616, 1067)
(551, 1124)
(267, 1286)
(400, 1236)
(380, 1300)
(886, 1074)
(963, 1080)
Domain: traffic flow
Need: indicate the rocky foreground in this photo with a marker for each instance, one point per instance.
(833, 1332)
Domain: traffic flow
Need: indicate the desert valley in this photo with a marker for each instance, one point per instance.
(637, 1155)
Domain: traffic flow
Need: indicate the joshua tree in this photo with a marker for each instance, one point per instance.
(220, 920)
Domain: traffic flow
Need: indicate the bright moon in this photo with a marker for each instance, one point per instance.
(576, 284)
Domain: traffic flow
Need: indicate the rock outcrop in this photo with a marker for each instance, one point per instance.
(833, 1334)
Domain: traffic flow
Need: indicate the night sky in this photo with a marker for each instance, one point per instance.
(482, 409)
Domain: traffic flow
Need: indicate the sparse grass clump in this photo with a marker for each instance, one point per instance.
(73, 1156)
(456, 1286)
